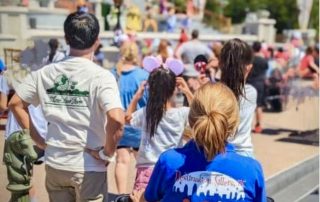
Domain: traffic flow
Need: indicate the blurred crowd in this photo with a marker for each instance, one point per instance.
(181, 109)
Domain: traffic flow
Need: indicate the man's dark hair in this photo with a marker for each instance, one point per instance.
(256, 46)
(81, 30)
(200, 58)
(195, 34)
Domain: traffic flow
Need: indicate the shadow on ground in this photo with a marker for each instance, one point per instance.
(309, 137)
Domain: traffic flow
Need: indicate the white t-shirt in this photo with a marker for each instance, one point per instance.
(75, 95)
(167, 136)
(36, 115)
(242, 138)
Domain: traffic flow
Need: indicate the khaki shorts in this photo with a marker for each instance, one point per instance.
(68, 186)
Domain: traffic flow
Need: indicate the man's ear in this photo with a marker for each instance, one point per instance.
(96, 44)
(66, 39)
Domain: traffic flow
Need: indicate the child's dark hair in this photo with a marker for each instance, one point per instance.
(235, 56)
(53, 44)
(162, 83)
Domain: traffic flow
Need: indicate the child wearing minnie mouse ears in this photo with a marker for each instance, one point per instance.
(162, 123)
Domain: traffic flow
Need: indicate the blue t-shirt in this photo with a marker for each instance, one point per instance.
(184, 174)
(129, 82)
(2, 65)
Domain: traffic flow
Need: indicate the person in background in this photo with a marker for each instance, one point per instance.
(188, 51)
(272, 64)
(316, 55)
(3, 113)
(257, 78)
(164, 50)
(161, 122)
(99, 56)
(207, 168)
(307, 65)
(191, 76)
(186, 20)
(163, 6)
(2, 66)
(182, 39)
(82, 6)
(213, 62)
(129, 76)
(81, 102)
(149, 23)
(171, 20)
(236, 63)
(54, 54)
(37, 118)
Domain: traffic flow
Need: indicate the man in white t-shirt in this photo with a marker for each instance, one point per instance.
(81, 102)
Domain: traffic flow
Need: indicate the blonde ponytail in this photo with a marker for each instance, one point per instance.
(129, 53)
(214, 116)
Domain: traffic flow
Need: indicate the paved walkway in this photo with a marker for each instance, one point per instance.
(274, 155)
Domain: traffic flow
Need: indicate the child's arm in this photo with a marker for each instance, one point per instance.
(133, 104)
(183, 86)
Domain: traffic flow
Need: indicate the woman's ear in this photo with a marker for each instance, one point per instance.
(248, 70)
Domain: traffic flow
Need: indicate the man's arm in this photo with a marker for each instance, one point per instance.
(114, 130)
(3, 102)
(20, 111)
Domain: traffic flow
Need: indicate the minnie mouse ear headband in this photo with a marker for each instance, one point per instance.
(150, 63)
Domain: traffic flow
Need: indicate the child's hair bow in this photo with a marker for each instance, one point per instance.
(150, 63)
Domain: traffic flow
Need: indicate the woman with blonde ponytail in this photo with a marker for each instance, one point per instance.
(129, 77)
(217, 114)
(207, 168)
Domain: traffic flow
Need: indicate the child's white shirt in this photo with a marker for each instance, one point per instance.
(168, 134)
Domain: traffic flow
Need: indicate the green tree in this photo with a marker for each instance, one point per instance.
(314, 17)
(284, 11)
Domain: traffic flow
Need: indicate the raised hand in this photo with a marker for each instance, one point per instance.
(183, 86)
(140, 90)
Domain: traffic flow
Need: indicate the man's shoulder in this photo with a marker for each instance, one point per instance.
(259, 60)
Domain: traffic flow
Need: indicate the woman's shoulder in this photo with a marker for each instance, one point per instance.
(244, 162)
(177, 156)
(172, 158)
(140, 71)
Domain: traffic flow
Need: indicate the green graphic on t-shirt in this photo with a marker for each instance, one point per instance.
(63, 86)
(64, 92)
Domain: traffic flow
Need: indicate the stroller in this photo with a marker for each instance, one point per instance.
(273, 91)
